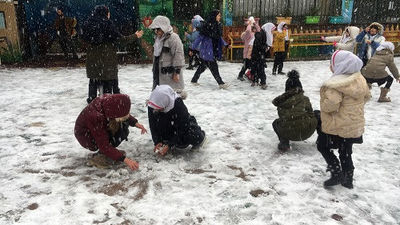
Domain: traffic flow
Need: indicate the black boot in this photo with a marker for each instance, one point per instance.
(348, 179)
(336, 175)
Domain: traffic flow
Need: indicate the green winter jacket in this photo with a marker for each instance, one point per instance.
(296, 117)
(102, 60)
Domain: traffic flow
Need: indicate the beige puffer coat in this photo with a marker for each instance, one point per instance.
(344, 43)
(342, 105)
(375, 69)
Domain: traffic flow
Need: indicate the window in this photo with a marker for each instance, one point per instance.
(2, 21)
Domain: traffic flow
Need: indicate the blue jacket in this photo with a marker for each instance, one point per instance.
(192, 37)
(204, 45)
(364, 46)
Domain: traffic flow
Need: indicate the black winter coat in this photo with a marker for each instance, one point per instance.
(259, 47)
(176, 127)
(296, 121)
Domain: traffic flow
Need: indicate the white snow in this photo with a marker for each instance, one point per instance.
(42, 163)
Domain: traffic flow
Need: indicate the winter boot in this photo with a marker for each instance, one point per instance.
(284, 145)
(336, 175)
(348, 179)
(383, 97)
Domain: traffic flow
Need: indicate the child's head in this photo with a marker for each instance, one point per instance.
(293, 81)
(373, 29)
(345, 63)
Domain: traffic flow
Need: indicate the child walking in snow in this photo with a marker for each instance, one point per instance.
(248, 38)
(296, 120)
(374, 71)
(343, 97)
(209, 44)
(281, 37)
(193, 53)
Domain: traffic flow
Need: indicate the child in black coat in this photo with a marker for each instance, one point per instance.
(171, 124)
(258, 52)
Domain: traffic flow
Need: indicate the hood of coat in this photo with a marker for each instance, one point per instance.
(289, 98)
(386, 45)
(163, 97)
(196, 21)
(380, 27)
(280, 27)
(268, 27)
(115, 105)
(163, 23)
(353, 85)
(354, 31)
(345, 62)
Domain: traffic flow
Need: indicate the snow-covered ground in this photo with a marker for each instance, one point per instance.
(239, 177)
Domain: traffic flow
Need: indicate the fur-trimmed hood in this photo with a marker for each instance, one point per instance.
(380, 27)
(348, 85)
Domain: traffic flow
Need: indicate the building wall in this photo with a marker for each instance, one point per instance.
(10, 33)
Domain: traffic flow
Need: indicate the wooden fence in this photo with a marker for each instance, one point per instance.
(305, 41)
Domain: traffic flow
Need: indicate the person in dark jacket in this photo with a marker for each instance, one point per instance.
(258, 54)
(296, 121)
(170, 123)
(101, 57)
(65, 27)
(102, 126)
(209, 44)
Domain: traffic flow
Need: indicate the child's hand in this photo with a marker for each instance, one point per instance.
(368, 42)
(164, 149)
(139, 33)
(175, 77)
(131, 163)
(140, 126)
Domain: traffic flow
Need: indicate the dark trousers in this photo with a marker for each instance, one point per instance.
(193, 56)
(327, 142)
(109, 86)
(258, 70)
(246, 65)
(213, 66)
(194, 135)
(281, 139)
(67, 45)
(278, 61)
(388, 80)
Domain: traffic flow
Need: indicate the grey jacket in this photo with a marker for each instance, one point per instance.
(172, 58)
(375, 68)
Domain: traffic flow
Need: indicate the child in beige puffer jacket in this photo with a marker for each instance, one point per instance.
(343, 97)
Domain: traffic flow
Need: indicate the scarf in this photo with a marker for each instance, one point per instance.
(163, 97)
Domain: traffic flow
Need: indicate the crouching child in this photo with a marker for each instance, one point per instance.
(296, 120)
(102, 126)
(170, 123)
